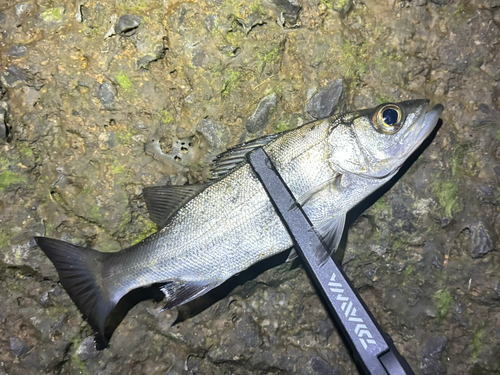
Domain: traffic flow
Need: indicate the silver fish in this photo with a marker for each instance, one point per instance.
(213, 231)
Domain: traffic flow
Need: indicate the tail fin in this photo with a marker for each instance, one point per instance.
(79, 274)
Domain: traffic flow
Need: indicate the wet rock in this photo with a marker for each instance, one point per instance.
(319, 366)
(323, 103)
(260, 117)
(150, 46)
(432, 356)
(482, 242)
(3, 122)
(342, 6)
(127, 24)
(87, 349)
(18, 346)
(23, 9)
(216, 133)
(289, 12)
(15, 77)
(106, 94)
(18, 50)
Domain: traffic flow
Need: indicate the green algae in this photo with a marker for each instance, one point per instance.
(124, 81)
(53, 14)
(8, 178)
(231, 81)
(477, 343)
(442, 299)
(447, 194)
(166, 117)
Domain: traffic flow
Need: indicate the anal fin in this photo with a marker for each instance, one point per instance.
(179, 292)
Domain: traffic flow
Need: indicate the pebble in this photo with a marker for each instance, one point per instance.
(14, 77)
(431, 356)
(18, 346)
(3, 17)
(260, 117)
(87, 349)
(216, 133)
(19, 50)
(106, 94)
(482, 242)
(323, 103)
(127, 24)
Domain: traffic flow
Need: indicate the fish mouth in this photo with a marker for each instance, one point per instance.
(425, 124)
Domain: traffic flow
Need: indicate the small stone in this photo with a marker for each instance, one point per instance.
(342, 6)
(260, 117)
(87, 349)
(482, 242)
(106, 94)
(216, 133)
(323, 103)
(18, 346)
(3, 17)
(18, 50)
(319, 366)
(431, 356)
(23, 9)
(289, 12)
(127, 24)
(14, 77)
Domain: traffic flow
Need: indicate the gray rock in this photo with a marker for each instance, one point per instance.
(106, 94)
(319, 366)
(431, 356)
(18, 346)
(15, 77)
(260, 117)
(18, 50)
(482, 242)
(3, 122)
(216, 133)
(87, 349)
(3, 17)
(323, 103)
(127, 24)
(289, 12)
(23, 9)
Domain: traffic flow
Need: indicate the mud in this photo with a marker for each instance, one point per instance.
(100, 99)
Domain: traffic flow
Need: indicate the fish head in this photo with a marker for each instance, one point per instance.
(376, 142)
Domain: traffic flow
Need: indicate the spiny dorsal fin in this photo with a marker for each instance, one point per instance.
(164, 201)
(232, 158)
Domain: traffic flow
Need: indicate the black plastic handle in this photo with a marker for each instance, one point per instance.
(372, 349)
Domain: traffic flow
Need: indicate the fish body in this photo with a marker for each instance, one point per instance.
(213, 231)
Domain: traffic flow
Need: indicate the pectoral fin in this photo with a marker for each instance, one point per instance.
(179, 292)
(330, 232)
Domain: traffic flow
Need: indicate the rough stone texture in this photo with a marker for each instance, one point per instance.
(260, 117)
(74, 169)
(127, 24)
(323, 103)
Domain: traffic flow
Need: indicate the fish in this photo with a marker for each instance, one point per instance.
(214, 230)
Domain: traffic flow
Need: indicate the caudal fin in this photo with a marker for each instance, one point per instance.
(79, 274)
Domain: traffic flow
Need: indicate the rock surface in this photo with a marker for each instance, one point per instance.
(94, 116)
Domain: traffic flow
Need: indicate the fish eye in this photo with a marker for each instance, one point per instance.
(388, 119)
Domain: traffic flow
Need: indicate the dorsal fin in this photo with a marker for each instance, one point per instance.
(232, 158)
(164, 201)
